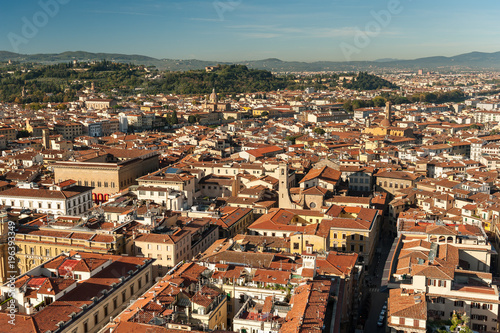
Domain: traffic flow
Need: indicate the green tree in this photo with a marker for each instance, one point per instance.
(23, 134)
(191, 119)
(172, 118)
(474, 126)
(319, 131)
(379, 101)
(292, 138)
(348, 106)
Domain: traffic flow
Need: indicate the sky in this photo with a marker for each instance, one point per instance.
(237, 30)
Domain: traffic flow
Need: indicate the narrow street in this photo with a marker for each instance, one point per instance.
(374, 277)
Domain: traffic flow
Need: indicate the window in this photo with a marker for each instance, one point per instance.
(295, 246)
(99, 184)
(352, 248)
(360, 237)
(96, 318)
(32, 250)
(105, 311)
(131, 289)
(147, 277)
(343, 236)
(459, 304)
(487, 307)
(158, 247)
(124, 296)
(47, 252)
(86, 327)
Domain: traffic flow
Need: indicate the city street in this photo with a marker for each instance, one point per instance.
(377, 298)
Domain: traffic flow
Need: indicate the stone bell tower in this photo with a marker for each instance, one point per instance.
(283, 191)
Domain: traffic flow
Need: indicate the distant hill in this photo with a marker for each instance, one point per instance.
(473, 60)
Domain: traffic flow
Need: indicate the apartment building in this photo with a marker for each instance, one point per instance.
(63, 198)
(9, 133)
(37, 244)
(181, 301)
(74, 292)
(393, 181)
(170, 186)
(194, 236)
(447, 268)
(68, 130)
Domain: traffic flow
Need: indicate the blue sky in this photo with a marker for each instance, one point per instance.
(225, 30)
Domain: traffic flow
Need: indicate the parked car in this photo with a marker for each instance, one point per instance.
(380, 321)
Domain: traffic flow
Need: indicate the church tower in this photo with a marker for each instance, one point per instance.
(46, 139)
(283, 191)
(388, 112)
(387, 120)
(213, 97)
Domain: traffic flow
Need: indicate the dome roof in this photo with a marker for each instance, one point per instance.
(385, 123)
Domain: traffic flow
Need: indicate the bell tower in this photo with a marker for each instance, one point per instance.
(283, 191)
(46, 139)
(388, 112)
